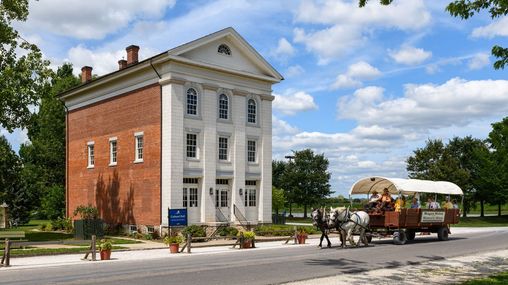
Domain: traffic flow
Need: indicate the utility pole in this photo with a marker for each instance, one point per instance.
(290, 158)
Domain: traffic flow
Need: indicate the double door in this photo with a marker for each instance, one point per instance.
(223, 202)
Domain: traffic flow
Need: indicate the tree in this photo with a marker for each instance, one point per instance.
(308, 178)
(278, 199)
(466, 9)
(498, 142)
(11, 190)
(278, 167)
(21, 77)
(44, 156)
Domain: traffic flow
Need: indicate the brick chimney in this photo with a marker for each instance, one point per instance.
(86, 74)
(122, 63)
(132, 54)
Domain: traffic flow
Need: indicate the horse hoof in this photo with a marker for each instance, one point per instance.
(329, 246)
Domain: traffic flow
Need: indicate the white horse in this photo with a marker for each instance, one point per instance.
(349, 223)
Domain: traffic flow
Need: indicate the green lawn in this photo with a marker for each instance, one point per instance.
(498, 279)
(50, 251)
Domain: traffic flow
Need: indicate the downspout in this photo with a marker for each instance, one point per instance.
(160, 151)
(66, 158)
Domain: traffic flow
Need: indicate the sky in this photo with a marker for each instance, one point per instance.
(365, 86)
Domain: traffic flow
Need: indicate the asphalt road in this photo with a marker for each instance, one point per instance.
(269, 266)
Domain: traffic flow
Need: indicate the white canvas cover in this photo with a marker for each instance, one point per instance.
(404, 186)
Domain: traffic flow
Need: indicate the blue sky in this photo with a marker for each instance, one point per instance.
(363, 86)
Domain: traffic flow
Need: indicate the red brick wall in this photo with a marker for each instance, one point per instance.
(128, 193)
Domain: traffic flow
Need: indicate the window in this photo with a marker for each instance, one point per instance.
(193, 197)
(91, 155)
(191, 145)
(185, 197)
(139, 147)
(251, 151)
(224, 49)
(251, 111)
(223, 148)
(150, 229)
(112, 151)
(223, 198)
(223, 106)
(133, 228)
(192, 102)
(250, 193)
(222, 181)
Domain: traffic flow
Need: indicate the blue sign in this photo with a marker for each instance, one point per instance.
(177, 217)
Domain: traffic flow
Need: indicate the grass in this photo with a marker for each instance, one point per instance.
(50, 251)
(498, 279)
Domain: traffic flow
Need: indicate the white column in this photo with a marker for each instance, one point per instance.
(239, 157)
(209, 116)
(265, 192)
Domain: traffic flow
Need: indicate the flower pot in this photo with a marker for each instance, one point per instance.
(247, 243)
(173, 248)
(301, 238)
(105, 254)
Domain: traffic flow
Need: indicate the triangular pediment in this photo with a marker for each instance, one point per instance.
(242, 57)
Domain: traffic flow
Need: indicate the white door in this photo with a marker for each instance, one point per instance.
(191, 202)
(223, 203)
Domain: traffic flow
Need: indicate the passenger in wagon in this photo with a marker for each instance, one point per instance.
(447, 204)
(415, 204)
(400, 203)
(373, 201)
(431, 204)
(386, 201)
(455, 205)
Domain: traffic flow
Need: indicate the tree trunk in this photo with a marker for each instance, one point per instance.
(290, 210)
(464, 212)
(482, 213)
(499, 209)
(305, 211)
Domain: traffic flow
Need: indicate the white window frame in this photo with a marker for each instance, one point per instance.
(196, 150)
(90, 150)
(219, 148)
(137, 153)
(228, 107)
(255, 151)
(113, 155)
(256, 111)
(250, 190)
(187, 101)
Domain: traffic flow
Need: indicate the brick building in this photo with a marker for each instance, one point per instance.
(188, 128)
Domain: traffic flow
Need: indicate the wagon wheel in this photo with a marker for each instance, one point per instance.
(442, 233)
(399, 238)
(410, 234)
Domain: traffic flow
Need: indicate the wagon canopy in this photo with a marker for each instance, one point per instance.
(404, 186)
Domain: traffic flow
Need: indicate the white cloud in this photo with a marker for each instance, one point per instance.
(91, 19)
(345, 81)
(282, 128)
(457, 102)
(348, 27)
(497, 28)
(294, 70)
(409, 55)
(284, 49)
(355, 73)
(479, 60)
(291, 104)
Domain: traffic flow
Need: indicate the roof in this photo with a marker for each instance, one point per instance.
(405, 186)
(174, 54)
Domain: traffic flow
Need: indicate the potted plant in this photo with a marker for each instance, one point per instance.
(173, 242)
(248, 236)
(105, 247)
(301, 235)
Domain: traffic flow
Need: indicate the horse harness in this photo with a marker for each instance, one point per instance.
(349, 215)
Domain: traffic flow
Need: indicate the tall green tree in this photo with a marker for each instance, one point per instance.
(466, 9)
(308, 178)
(278, 199)
(21, 77)
(11, 188)
(44, 156)
(498, 143)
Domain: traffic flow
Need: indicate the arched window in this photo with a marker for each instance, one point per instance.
(251, 111)
(224, 49)
(223, 106)
(192, 101)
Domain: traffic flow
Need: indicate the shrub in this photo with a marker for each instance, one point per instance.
(247, 234)
(42, 227)
(281, 230)
(87, 212)
(227, 231)
(172, 239)
(104, 244)
(195, 231)
(62, 224)
(148, 236)
(155, 235)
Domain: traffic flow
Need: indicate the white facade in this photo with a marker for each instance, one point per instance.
(220, 176)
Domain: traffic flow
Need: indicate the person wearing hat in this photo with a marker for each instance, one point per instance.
(373, 201)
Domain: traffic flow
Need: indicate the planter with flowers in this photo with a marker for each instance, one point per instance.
(105, 247)
(173, 242)
(301, 235)
(248, 237)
